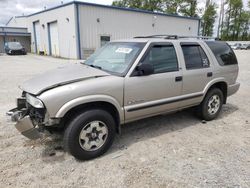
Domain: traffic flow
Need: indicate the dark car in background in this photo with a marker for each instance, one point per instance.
(14, 48)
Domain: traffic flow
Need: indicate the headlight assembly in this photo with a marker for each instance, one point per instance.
(33, 101)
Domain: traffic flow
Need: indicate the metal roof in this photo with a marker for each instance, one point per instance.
(14, 31)
(15, 34)
(113, 7)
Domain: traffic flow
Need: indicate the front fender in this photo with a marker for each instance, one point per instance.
(87, 99)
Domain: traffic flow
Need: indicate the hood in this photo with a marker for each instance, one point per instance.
(61, 76)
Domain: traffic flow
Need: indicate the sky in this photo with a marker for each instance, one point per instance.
(10, 8)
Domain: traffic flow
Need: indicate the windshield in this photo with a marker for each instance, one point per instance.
(115, 57)
(14, 45)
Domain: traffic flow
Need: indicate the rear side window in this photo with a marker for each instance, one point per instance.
(163, 58)
(195, 57)
(223, 53)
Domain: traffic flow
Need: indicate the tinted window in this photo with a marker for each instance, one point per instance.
(163, 58)
(195, 57)
(222, 52)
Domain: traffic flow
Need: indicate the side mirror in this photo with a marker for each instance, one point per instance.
(144, 69)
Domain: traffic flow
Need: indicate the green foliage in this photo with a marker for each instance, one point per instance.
(172, 6)
(208, 20)
(150, 5)
(236, 25)
(189, 8)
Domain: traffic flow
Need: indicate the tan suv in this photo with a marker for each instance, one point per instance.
(124, 81)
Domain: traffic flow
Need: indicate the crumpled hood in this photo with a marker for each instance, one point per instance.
(61, 76)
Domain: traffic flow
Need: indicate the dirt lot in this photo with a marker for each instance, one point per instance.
(175, 150)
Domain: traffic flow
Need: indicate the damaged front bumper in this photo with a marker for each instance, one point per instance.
(23, 122)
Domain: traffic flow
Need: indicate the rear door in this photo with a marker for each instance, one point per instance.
(197, 72)
(149, 95)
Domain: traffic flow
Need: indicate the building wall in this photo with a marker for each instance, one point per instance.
(19, 21)
(93, 21)
(65, 18)
(119, 24)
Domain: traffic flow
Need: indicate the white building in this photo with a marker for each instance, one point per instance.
(77, 29)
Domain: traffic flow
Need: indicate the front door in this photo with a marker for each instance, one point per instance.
(156, 93)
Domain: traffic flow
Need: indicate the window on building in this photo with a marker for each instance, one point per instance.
(104, 40)
(223, 53)
(163, 58)
(195, 57)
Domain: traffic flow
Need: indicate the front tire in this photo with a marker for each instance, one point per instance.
(211, 105)
(90, 134)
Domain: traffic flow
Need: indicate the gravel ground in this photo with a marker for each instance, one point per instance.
(176, 150)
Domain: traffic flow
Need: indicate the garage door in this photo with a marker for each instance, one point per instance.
(37, 37)
(54, 41)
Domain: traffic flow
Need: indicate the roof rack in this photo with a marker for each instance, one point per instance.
(159, 36)
(178, 37)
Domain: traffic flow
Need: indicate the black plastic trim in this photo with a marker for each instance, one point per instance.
(163, 103)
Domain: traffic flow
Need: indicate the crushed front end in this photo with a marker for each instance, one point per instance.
(29, 116)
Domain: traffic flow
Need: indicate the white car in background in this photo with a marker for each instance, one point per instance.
(236, 46)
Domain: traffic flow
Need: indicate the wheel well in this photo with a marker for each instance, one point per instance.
(223, 87)
(100, 105)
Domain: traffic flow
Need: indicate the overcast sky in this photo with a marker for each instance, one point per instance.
(9, 8)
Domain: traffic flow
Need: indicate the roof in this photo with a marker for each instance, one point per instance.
(113, 7)
(14, 31)
(15, 34)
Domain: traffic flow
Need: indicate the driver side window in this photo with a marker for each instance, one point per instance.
(163, 58)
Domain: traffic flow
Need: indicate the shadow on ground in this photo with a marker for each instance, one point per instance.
(133, 132)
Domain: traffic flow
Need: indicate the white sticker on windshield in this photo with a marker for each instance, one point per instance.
(124, 50)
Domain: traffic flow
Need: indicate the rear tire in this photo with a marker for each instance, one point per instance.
(90, 134)
(211, 105)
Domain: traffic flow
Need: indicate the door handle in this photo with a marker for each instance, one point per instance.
(178, 78)
(209, 74)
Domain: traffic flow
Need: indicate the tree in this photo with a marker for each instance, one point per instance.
(150, 5)
(189, 8)
(128, 3)
(208, 19)
(182, 7)
(244, 26)
(221, 19)
(236, 25)
(172, 6)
